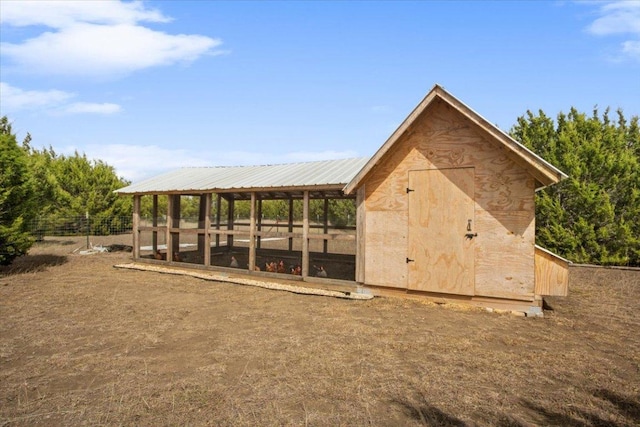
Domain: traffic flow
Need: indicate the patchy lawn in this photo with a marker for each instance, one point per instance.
(83, 343)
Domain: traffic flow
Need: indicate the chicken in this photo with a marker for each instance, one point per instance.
(158, 255)
(234, 262)
(296, 271)
(271, 267)
(281, 268)
(177, 257)
(321, 272)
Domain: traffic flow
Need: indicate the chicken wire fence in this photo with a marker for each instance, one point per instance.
(83, 225)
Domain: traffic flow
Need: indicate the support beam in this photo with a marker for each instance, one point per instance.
(154, 223)
(290, 223)
(305, 234)
(259, 219)
(202, 214)
(169, 236)
(230, 220)
(175, 223)
(252, 233)
(325, 223)
(207, 227)
(360, 234)
(218, 216)
(136, 227)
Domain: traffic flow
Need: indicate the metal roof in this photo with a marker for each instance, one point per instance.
(327, 173)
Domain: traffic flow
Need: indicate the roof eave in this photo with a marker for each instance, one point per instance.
(544, 172)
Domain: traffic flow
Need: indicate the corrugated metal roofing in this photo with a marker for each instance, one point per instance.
(245, 178)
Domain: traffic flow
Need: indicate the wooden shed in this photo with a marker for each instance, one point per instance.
(445, 209)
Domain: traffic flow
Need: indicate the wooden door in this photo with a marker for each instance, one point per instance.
(441, 222)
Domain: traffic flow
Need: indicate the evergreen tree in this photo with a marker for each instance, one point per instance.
(594, 215)
(16, 195)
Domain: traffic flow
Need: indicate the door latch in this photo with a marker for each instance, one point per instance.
(469, 235)
(410, 260)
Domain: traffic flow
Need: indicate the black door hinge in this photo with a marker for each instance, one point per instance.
(410, 260)
(409, 190)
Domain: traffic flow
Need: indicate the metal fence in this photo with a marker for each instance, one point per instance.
(84, 225)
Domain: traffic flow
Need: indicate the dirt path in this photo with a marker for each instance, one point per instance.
(83, 343)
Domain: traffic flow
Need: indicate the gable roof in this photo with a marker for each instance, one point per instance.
(322, 175)
(544, 172)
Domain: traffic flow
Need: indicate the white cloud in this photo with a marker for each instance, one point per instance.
(60, 14)
(14, 99)
(104, 40)
(620, 18)
(136, 162)
(631, 48)
(92, 108)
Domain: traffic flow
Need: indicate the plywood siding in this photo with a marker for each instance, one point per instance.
(361, 235)
(503, 194)
(552, 274)
(386, 249)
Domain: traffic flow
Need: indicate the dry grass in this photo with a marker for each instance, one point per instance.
(82, 343)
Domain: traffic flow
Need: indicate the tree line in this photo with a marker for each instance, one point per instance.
(340, 212)
(593, 216)
(40, 183)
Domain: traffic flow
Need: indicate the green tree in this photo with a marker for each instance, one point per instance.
(16, 196)
(594, 215)
(71, 187)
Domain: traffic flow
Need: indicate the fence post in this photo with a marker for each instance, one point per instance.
(87, 217)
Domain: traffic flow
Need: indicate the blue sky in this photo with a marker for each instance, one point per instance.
(156, 85)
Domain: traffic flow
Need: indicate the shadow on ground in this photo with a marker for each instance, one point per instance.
(53, 242)
(32, 264)
(427, 414)
(625, 414)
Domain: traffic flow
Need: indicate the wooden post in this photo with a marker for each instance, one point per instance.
(230, 220)
(175, 215)
(259, 219)
(305, 234)
(154, 223)
(252, 233)
(290, 222)
(325, 222)
(360, 234)
(169, 236)
(202, 214)
(207, 228)
(136, 227)
(218, 216)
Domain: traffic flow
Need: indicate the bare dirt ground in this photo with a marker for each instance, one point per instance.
(83, 343)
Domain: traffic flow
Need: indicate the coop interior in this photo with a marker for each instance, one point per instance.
(216, 231)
